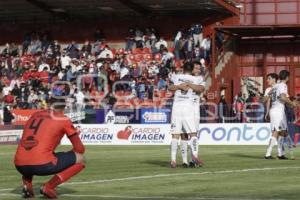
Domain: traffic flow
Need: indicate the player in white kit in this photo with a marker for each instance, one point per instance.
(183, 111)
(185, 137)
(279, 97)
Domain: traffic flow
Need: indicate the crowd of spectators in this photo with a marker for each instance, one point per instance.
(93, 74)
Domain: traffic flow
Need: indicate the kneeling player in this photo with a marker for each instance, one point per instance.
(35, 153)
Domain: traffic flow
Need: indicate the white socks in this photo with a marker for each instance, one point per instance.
(194, 146)
(174, 146)
(272, 143)
(184, 149)
(280, 146)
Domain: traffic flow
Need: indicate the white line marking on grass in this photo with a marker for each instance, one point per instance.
(7, 154)
(158, 197)
(133, 197)
(179, 174)
(158, 176)
(10, 195)
(6, 189)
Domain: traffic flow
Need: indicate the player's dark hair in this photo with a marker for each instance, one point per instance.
(188, 67)
(57, 103)
(283, 74)
(273, 76)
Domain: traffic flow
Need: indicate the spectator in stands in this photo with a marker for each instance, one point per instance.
(161, 44)
(153, 37)
(72, 50)
(203, 109)
(7, 116)
(141, 88)
(9, 98)
(65, 60)
(162, 84)
(86, 48)
(32, 99)
(79, 98)
(206, 46)
(222, 110)
(197, 34)
(56, 49)
(138, 38)
(35, 46)
(106, 53)
(130, 40)
(167, 58)
(189, 48)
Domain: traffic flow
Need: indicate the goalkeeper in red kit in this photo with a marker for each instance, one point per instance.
(36, 154)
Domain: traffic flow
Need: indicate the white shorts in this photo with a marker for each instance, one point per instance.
(183, 119)
(278, 120)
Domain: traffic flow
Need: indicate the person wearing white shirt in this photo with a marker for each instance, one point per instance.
(65, 61)
(183, 112)
(279, 98)
(167, 56)
(42, 67)
(106, 53)
(123, 72)
(161, 43)
(79, 96)
(206, 45)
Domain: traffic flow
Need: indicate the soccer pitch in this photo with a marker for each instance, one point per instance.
(143, 172)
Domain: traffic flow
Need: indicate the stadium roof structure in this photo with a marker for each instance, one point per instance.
(262, 31)
(30, 11)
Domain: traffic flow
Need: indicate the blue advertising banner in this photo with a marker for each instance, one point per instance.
(155, 116)
(117, 116)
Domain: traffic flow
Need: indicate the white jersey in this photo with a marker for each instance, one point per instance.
(268, 92)
(277, 90)
(185, 96)
(197, 96)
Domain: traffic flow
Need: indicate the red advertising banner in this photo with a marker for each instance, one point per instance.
(22, 116)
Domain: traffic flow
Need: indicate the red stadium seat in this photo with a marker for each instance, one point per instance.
(146, 50)
(147, 57)
(137, 51)
(139, 57)
(157, 56)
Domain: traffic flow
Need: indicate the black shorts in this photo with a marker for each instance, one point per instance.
(64, 161)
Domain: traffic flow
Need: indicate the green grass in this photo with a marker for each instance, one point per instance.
(221, 177)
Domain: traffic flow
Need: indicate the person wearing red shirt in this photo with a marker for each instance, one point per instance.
(36, 154)
(44, 75)
(9, 98)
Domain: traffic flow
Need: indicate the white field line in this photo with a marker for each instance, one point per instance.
(180, 174)
(158, 176)
(159, 197)
(6, 189)
(132, 197)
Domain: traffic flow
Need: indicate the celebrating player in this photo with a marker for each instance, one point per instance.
(279, 97)
(35, 153)
(183, 112)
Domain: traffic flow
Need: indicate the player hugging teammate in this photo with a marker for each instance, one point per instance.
(277, 98)
(185, 113)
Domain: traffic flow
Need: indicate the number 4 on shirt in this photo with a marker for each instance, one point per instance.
(35, 124)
